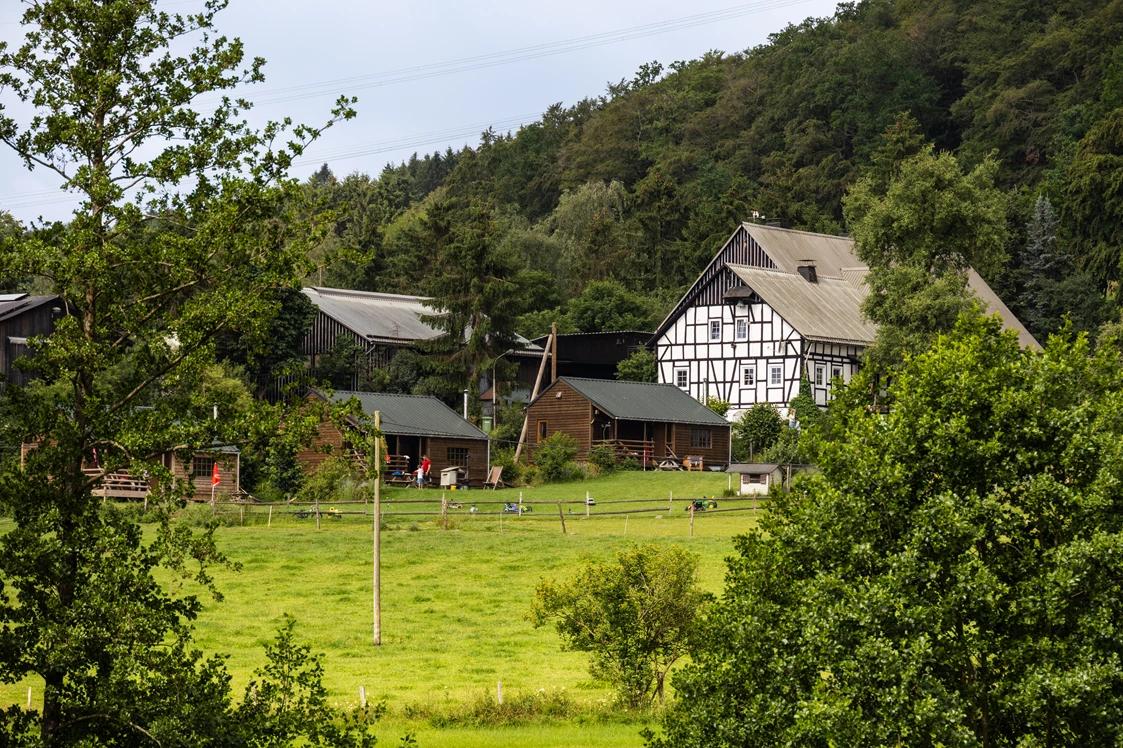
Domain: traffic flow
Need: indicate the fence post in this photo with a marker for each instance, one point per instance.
(586, 505)
(692, 519)
(520, 503)
(242, 516)
(499, 690)
(363, 697)
(29, 698)
(270, 516)
(671, 502)
(562, 516)
(316, 509)
(625, 525)
(444, 509)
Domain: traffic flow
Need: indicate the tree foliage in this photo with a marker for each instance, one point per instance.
(638, 367)
(185, 232)
(756, 430)
(951, 576)
(636, 616)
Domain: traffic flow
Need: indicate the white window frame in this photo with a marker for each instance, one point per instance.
(748, 376)
(685, 374)
(715, 330)
(775, 376)
(836, 373)
(820, 375)
(742, 329)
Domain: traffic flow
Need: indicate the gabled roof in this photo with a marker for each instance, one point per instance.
(411, 415)
(13, 307)
(383, 317)
(641, 401)
(830, 310)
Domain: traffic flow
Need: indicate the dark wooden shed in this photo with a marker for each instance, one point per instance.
(594, 355)
(23, 317)
(655, 423)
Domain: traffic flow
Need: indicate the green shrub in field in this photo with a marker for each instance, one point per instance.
(629, 463)
(603, 459)
(505, 458)
(556, 458)
(337, 479)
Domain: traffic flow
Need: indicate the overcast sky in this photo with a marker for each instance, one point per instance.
(322, 41)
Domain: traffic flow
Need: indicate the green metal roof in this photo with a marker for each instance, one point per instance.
(412, 415)
(643, 401)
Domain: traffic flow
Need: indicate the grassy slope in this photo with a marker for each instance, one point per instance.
(453, 603)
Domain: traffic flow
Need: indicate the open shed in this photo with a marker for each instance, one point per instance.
(655, 423)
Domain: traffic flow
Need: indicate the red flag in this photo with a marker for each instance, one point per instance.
(215, 480)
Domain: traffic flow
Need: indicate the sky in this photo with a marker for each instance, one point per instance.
(430, 74)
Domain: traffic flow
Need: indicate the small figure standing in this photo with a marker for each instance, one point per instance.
(420, 472)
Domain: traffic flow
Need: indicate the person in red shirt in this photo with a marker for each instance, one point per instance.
(425, 465)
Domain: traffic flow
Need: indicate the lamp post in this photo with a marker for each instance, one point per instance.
(495, 389)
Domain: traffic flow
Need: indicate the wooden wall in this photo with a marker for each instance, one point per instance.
(228, 469)
(35, 321)
(716, 454)
(311, 456)
(563, 409)
(477, 458)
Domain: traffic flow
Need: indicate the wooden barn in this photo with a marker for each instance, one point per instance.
(413, 425)
(23, 317)
(658, 424)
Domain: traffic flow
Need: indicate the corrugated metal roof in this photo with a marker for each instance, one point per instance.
(828, 310)
(642, 401)
(789, 249)
(412, 415)
(752, 467)
(383, 317)
(9, 309)
(994, 305)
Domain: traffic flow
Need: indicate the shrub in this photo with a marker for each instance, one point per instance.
(505, 458)
(337, 479)
(756, 430)
(556, 459)
(629, 463)
(603, 459)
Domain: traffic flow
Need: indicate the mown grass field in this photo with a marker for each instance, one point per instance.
(453, 602)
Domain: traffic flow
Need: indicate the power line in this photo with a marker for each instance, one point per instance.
(433, 70)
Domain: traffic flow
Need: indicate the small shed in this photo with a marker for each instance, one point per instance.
(595, 355)
(654, 423)
(756, 477)
(412, 425)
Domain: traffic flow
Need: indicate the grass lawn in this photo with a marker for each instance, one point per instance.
(453, 602)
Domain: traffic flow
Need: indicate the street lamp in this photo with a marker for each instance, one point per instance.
(495, 389)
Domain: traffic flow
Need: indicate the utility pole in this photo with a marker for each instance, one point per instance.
(554, 355)
(377, 528)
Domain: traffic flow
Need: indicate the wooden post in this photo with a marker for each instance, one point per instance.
(444, 509)
(377, 530)
(671, 502)
(363, 697)
(29, 698)
(316, 509)
(554, 354)
(270, 524)
(562, 516)
(520, 503)
(586, 505)
(241, 515)
(692, 519)
(533, 395)
(499, 690)
(625, 525)
(501, 520)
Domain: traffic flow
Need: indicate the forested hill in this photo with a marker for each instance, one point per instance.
(641, 185)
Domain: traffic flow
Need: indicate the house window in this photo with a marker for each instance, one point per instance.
(748, 376)
(820, 372)
(203, 467)
(701, 438)
(457, 456)
(682, 378)
(836, 373)
(541, 431)
(742, 329)
(715, 329)
(776, 376)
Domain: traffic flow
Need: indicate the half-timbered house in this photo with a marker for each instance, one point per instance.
(773, 306)
(653, 423)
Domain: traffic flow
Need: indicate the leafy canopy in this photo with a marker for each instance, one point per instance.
(951, 578)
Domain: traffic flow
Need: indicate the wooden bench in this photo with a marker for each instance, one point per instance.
(693, 462)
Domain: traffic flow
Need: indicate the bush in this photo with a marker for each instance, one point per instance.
(556, 459)
(337, 479)
(629, 463)
(505, 458)
(603, 459)
(756, 430)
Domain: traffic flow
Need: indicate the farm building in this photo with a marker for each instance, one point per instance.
(23, 317)
(199, 470)
(413, 425)
(381, 325)
(656, 423)
(594, 355)
(756, 477)
(773, 306)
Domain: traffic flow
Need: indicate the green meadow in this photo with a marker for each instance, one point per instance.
(452, 602)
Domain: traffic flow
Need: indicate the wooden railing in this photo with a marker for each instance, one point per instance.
(119, 485)
(628, 447)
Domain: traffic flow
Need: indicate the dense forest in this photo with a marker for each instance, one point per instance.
(635, 190)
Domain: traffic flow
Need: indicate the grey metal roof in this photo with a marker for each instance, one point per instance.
(15, 307)
(829, 310)
(412, 415)
(383, 317)
(994, 305)
(642, 401)
(752, 467)
(789, 248)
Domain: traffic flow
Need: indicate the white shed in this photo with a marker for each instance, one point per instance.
(756, 477)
